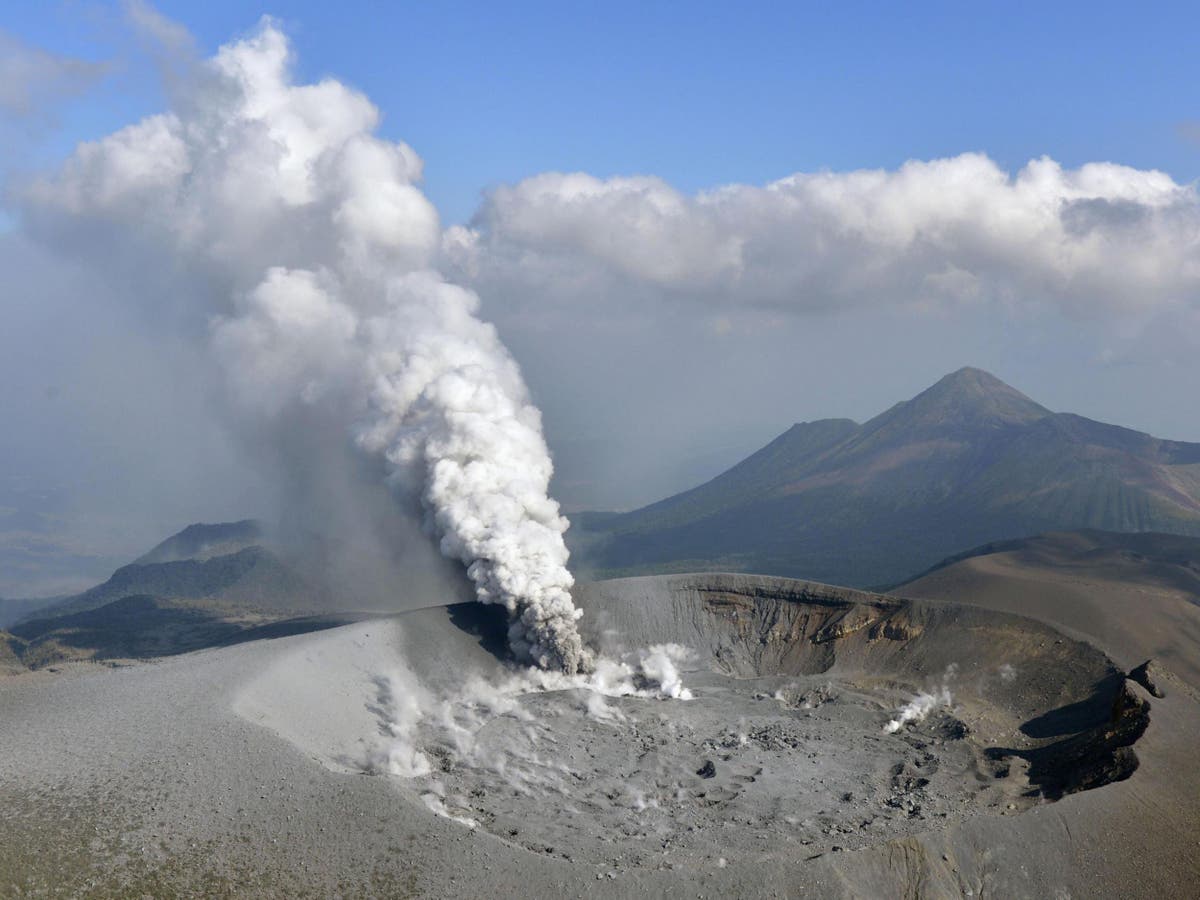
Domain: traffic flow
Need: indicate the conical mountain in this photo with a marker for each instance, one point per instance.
(964, 403)
(967, 461)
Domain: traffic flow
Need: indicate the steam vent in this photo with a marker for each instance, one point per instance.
(816, 721)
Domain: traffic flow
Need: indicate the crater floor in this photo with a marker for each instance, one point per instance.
(747, 768)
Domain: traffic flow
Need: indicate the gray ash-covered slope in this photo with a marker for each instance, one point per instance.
(1135, 595)
(1172, 559)
(777, 779)
(969, 460)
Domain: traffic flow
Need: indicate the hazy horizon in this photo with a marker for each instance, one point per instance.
(682, 265)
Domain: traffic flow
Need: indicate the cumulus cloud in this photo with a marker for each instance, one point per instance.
(1101, 237)
(30, 77)
(297, 250)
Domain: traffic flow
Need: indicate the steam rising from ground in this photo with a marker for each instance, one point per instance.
(636, 777)
(403, 706)
(299, 251)
(926, 702)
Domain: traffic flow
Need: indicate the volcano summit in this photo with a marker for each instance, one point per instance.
(968, 461)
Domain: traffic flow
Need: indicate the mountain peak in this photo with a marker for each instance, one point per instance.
(968, 378)
(972, 375)
(968, 461)
(974, 397)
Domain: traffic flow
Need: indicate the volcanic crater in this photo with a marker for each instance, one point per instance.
(820, 720)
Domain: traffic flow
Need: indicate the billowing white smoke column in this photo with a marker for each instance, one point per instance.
(452, 411)
(300, 238)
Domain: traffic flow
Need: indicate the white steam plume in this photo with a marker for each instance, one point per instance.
(400, 706)
(458, 724)
(268, 217)
(919, 708)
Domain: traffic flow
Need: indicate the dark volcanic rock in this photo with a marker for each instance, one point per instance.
(1093, 758)
(1149, 676)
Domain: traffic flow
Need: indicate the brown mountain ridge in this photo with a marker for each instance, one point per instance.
(968, 461)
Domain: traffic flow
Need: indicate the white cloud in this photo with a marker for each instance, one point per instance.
(930, 234)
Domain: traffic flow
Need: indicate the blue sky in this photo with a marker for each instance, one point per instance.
(700, 94)
(652, 368)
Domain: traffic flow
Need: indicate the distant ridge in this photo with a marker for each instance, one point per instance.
(205, 586)
(967, 461)
(201, 542)
(1147, 546)
(220, 566)
(1136, 596)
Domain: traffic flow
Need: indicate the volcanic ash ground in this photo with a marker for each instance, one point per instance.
(745, 767)
(701, 749)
